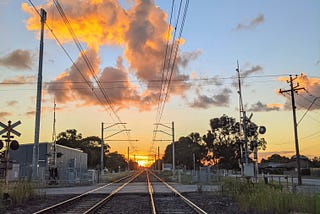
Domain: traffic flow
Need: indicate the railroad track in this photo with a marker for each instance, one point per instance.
(82, 203)
(173, 202)
(134, 194)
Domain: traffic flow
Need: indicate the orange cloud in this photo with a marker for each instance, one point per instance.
(275, 105)
(93, 22)
(3, 115)
(143, 32)
(310, 92)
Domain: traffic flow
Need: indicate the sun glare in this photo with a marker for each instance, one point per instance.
(143, 163)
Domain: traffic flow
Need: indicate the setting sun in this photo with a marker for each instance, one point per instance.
(143, 163)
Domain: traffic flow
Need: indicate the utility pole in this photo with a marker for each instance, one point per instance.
(194, 163)
(158, 158)
(102, 148)
(54, 136)
(173, 152)
(35, 157)
(128, 158)
(292, 90)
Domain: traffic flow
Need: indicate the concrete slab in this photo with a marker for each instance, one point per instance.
(137, 187)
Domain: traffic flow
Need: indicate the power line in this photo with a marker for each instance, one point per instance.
(77, 68)
(165, 56)
(311, 135)
(171, 67)
(83, 54)
(310, 101)
(307, 110)
(165, 83)
(89, 65)
(208, 79)
(174, 60)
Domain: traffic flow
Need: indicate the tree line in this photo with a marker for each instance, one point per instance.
(222, 146)
(113, 161)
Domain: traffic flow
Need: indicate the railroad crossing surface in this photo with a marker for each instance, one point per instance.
(137, 187)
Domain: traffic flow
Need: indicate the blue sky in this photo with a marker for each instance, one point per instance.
(270, 39)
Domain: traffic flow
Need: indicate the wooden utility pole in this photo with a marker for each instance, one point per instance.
(292, 90)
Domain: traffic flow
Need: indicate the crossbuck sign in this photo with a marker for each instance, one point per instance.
(9, 128)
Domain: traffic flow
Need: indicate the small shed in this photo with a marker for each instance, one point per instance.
(71, 165)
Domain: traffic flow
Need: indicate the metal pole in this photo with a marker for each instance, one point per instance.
(7, 158)
(295, 130)
(102, 149)
(245, 137)
(194, 162)
(128, 158)
(173, 151)
(54, 136)
(35, 157)
(241, 111)
(158, 158)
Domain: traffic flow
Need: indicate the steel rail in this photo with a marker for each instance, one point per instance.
(103, 201)
(150, 190)
(79, 196)
(187, 201)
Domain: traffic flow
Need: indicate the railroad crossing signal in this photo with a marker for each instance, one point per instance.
(14, 145)
(11, 144)
(9, 128)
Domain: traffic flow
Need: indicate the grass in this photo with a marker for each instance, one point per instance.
(110, 177)
(19, 192)
(269, 198)
(165, 175)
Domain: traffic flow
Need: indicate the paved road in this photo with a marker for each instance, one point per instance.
(305, 181)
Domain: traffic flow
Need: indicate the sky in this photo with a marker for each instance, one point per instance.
(123, 49)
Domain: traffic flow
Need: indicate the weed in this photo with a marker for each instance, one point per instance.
(269, 198)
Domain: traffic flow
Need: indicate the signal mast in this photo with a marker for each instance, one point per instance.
(53, 170)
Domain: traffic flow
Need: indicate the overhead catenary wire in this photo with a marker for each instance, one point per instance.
(170, 68)
(85, 58)
(165, 56)
(170, 65)
(89, 83)
(166, 63)
(174, 60)
(205, 79)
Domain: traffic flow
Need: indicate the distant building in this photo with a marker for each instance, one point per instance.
(167, 167)
(71, 166)
(289, 167)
